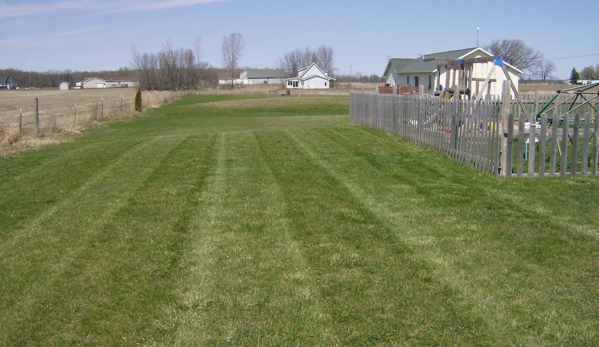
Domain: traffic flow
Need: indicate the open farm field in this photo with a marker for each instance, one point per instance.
(240, 220)
(64, 113)
(547, 88)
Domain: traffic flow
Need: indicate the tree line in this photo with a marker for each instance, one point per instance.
(53, 78)
(170, 68)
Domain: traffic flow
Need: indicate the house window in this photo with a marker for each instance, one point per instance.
(407, 80)
(325, 84)
(430, 81)
(416, 81)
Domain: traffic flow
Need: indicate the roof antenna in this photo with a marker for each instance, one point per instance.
(477, 29)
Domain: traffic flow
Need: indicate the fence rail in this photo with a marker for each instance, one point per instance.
(481, 135)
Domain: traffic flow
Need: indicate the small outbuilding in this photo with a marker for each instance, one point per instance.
(65, 86)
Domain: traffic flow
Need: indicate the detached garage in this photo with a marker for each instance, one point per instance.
(93, 82)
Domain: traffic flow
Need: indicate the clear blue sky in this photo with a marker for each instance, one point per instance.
(98, 34)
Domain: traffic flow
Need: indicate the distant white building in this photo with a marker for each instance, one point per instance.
(120, 82)
(262, 76)
(311, 77)
(92, 82)
(65, 86)
(112, 82)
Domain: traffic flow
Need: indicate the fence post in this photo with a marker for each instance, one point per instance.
(505, 113)
(20, 122)
(37, 117)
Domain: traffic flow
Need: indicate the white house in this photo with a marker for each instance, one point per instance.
(436, 69)
(262, 76)
(112, 82)
(92, 82)
(311, 77)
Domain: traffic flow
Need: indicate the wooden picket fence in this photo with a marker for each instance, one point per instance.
(482, 134)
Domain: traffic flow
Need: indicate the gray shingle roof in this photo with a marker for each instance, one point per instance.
(266, 73)
(418, 65)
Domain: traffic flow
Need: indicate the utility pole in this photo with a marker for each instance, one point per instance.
(350, 67)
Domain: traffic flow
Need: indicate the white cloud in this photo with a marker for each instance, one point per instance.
(92, 6)
(33, 9)
(161, 5)
(49, 40)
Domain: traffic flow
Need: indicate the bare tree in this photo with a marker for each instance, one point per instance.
(170, 68)
(324, 58)
(146, 66)
(168, 62)
(232, 51)
(590, 72)
(296, 59)
(199, 65)
(516, 53)
(545, 70)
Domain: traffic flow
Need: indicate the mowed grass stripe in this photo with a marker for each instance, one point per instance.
(42, 254)
(139, 254)
(33, 184)
(374, 288)
(249, 284)
(463, 248)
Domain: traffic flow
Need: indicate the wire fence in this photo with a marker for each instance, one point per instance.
(30, 122)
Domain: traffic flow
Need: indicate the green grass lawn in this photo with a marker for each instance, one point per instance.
(242, 220)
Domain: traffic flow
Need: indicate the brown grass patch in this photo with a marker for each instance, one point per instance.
(546, 88)
(64, 114)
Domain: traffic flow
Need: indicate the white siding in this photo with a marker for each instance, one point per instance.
(316, 82)
(93, 83)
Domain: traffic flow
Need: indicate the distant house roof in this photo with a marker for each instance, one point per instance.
(8, 82)
(119, 79)
(302, 74)
(264, 73)
(92, 78)
(400, 66)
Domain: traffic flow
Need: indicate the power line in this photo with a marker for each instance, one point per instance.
(577, 56)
